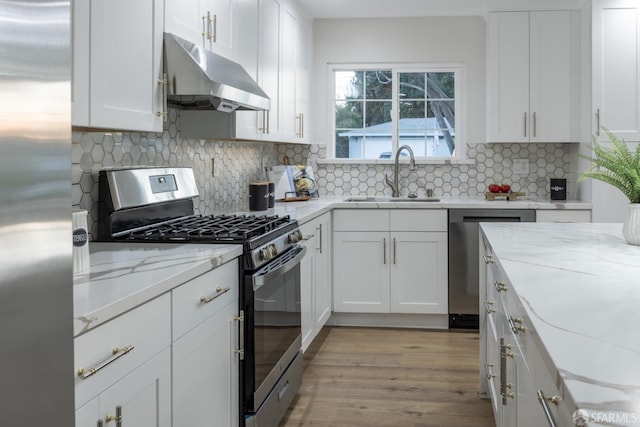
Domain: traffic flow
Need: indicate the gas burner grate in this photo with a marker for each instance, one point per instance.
(233, 228)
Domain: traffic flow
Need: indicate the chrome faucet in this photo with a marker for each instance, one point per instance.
(395, 185)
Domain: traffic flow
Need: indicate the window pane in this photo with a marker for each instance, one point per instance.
(349, 115)
(349, 84)
(412, 109)
(342, 144)
(377, 112)
(378, 84)
(440, 85)
(412, 86)
(443, 112)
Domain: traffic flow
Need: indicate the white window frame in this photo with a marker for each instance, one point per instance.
(459, 70)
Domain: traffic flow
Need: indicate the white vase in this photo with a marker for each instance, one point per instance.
(631, 227)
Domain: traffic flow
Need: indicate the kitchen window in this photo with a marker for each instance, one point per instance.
(377, 109)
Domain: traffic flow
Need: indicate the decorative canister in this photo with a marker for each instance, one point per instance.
(80, 241)
(259, 196)
(558, 189)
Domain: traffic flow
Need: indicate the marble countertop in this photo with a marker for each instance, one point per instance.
(125, 275)
(580, 285)
(308, 210)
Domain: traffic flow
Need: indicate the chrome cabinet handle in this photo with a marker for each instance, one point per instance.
(117, 418)
(215, 28)
(503, 371)
(534, 124)
(487, 259)
(204, 30)
(301, 125)
(319, 247)
(263, 129)
(394, 251)
(545, 407)
(219, 291)
(598, 122)
(525, 124)
(268, 122)
(164, 81)
(384, 251)
(240, 350)
(117, 353)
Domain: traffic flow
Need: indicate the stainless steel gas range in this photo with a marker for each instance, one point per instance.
(156, 205)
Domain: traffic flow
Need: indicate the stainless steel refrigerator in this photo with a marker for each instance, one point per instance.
(36, 279)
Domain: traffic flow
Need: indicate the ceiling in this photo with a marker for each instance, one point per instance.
(416, 8)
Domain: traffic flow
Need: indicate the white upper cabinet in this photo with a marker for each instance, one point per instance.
(207, 23)
(533, 77)
(615, 68)
(116, 82)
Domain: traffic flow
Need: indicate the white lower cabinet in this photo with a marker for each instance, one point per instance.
(394, 261)
(205, 340)
(172, 361)
(124, 369)
(141, 399)
(514, 374)
(315, 292)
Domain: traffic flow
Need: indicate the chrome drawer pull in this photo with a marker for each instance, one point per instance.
(545, 407)
(117, 353)
(219, 291)
(240, 350)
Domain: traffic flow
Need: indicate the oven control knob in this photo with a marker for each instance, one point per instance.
(268, 252)
(295, 237)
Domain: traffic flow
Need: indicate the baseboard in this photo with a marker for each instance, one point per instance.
(387, 320)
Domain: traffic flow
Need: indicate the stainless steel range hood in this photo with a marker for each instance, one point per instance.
(200, 79)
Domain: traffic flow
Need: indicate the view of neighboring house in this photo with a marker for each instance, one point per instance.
(422, 135)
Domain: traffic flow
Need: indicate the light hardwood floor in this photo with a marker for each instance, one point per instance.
(390, 377)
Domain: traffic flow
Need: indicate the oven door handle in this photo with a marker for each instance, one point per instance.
(260, 277)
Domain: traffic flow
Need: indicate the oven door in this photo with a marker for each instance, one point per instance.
(272, 327)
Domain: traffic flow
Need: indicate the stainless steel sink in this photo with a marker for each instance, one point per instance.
(387, 199)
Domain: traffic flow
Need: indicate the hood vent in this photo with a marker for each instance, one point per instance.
(202, 80)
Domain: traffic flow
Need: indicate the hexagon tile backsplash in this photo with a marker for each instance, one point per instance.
(239, 163)
(493, 164)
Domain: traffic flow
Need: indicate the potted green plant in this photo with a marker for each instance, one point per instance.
(619, 166)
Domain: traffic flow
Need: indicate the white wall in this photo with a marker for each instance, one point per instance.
(400, 40)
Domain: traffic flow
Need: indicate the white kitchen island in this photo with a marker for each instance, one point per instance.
(560, 314)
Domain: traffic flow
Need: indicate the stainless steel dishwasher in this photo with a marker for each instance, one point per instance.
(464, 257)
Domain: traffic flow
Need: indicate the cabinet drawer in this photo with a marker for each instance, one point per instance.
(563, 216)
(418, 220)
(146, 329)
(361, 220)
(202, 297)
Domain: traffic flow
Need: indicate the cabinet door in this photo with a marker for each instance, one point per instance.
(221, 28)
(419, 272)
(182, 18)
(553, 79)
(361, 272)
(126, 59)
(508, 77)
(615, 72)
(81, 16)
(307, 290)
(89, 414)
(287, 101)
(144, 396)
(303, 70)
(205, 373)
(269, 63)
(323, 272)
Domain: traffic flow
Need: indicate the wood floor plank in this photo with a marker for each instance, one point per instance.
(390, 377)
